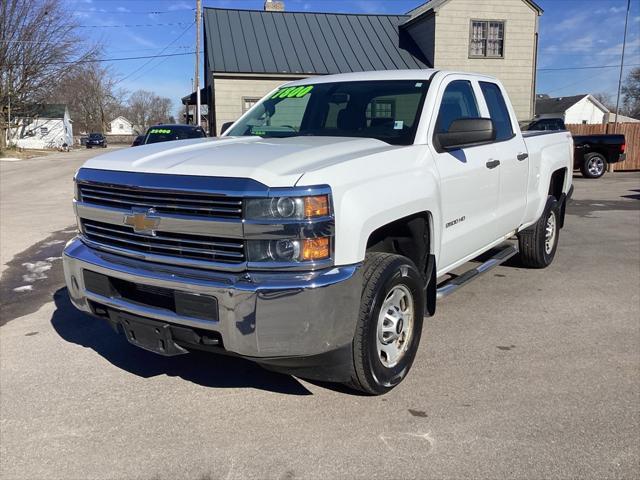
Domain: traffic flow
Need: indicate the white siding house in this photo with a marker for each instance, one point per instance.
(584, 109)
(48, 126)
(120, 126)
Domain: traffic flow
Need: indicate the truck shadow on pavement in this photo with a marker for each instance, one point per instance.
(206, 369)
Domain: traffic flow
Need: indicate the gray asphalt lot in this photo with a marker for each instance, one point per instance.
(524, 374)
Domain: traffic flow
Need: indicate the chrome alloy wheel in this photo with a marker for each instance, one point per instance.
(550, 233)
(395, 325)
(596, 166)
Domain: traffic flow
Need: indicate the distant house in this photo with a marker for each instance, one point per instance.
(248, 53)
(584, 109)
(120, 126)
(622, 118)
(42, 126)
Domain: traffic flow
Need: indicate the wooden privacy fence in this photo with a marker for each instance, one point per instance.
(631, 132)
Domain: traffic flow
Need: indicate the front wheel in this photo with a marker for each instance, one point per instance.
(389, 324)
(539, 242)
(594, 165)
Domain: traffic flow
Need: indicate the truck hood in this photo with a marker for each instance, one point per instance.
(275, 162)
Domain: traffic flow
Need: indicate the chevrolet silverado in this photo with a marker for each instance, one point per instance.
(319, 230)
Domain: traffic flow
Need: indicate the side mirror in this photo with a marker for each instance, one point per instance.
(225, 127)
(467, 132)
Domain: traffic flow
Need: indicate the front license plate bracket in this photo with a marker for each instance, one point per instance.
(148, 334)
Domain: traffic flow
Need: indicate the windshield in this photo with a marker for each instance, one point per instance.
(387, 110)
(166, 134)
(94, 136)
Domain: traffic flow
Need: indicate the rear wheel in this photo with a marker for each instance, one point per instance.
(539, 242)
(390, 323)
(594, 165)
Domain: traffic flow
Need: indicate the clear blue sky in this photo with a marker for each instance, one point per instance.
(573, 33)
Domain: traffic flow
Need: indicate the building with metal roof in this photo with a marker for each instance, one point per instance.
(247, 53)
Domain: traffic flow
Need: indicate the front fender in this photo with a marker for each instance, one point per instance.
(378, 189)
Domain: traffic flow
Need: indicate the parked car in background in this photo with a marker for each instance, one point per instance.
(96, 140)
(592, 153)
(168, 133)
(139, 140)
(545, 124)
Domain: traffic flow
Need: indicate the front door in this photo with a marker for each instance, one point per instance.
(470, 180)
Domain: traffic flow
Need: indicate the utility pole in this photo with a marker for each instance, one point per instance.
(198, 19)
(624, 45)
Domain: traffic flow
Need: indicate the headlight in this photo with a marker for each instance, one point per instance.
(289, 250)
(287, 208)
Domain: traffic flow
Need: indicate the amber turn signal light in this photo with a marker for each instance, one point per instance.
(317, 206)
(315, 249)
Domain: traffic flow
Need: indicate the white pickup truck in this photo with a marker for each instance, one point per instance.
(319, 230)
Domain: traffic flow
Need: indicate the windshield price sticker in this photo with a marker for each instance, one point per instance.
(293, 92)
(160, 130)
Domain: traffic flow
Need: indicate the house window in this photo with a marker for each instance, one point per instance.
(121, 126)
(44, 131)
(381, 108)
(486, 39)
(248, 103)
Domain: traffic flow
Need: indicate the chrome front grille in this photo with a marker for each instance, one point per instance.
(170, 244)
(168, 202)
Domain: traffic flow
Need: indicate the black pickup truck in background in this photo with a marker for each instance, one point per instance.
(592, 153)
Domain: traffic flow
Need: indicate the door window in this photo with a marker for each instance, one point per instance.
(458, 101)
(497, 110)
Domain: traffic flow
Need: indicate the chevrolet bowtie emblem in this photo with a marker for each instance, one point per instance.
(143, 221)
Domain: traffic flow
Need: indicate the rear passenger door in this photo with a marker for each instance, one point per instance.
(511, 151)
(469, 181)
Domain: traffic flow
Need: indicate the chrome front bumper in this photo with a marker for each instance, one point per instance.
(261, 315)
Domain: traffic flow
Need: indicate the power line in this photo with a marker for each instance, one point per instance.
(102, 60)
(159, 53)
(129, 12)
(585, 68)
(134, 25)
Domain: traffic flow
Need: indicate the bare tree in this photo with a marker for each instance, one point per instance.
(606, 100)
(145, 108)
(631, 94)
(38, 47)
(91, 94)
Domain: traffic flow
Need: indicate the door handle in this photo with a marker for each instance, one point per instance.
(522, 156)
(493, 164)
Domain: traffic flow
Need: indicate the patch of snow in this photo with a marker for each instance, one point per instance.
(23, 288)
(10, 159)
(53, 242)
(36, 271)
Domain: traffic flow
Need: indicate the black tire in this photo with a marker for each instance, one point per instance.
(534, 252)
(88, 146)
(384, 273)
(593, 165)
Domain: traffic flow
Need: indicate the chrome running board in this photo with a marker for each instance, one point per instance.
(453, 284)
